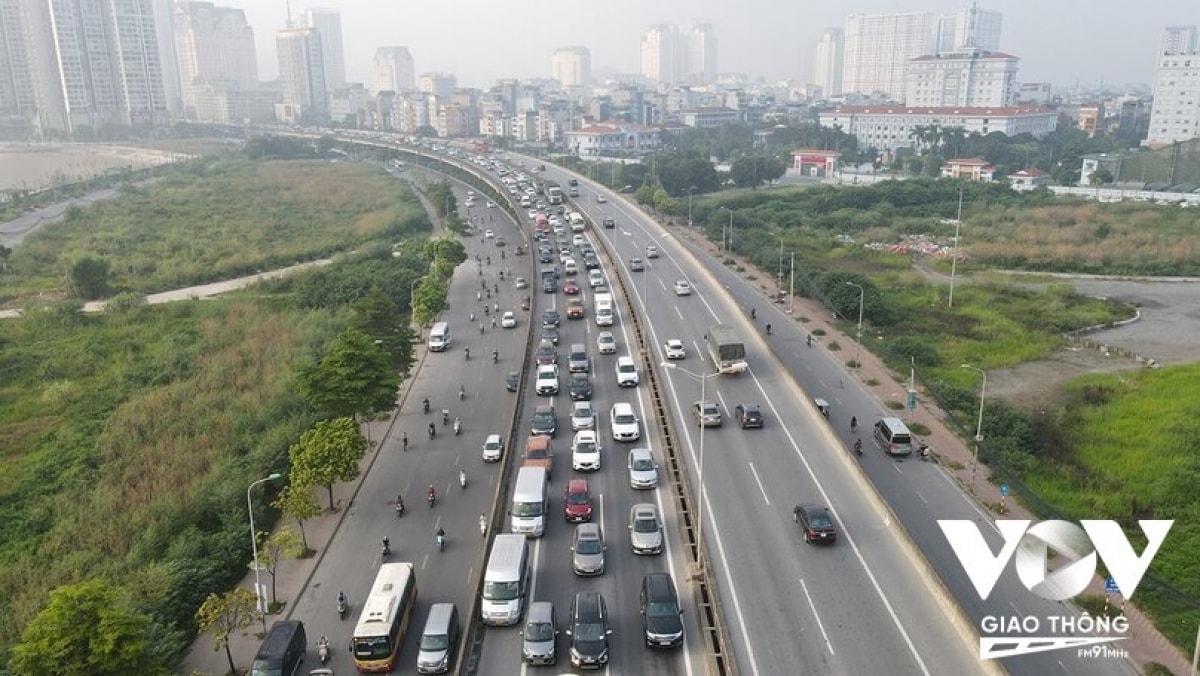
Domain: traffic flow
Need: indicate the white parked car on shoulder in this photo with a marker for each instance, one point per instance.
(675, 349)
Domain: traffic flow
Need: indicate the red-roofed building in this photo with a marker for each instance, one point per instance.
(973, 168)
(1028, 179)
(888, 127)
(612, 138)
(815, 162)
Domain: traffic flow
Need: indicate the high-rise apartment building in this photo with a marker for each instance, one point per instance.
(441, 85)
(700, 54)
(968, 29)
(1175, 115)
(17, 99)
(673, 55)
(827, 63)
(214, 47)
(571, 66)
(1179, 40)
(103, 60)
(878, 49)
(164, 30)
(392, 70)
(329, 22)
(305, 94)
(966, 78)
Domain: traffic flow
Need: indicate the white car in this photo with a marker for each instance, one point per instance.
(683, 288)
(651, 251)
(509, 320)
(627, 374)
(578, 240)
(488, 234)
(624, 422)
(674, 349)
(582, 416)
(585, 451)
(606, 343)
(491, 205)
(547, 380)
(493, 448)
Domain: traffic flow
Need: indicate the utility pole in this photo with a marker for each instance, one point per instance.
(954, 255)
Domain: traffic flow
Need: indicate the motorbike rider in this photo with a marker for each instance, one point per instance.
(467, 353)
(387, 546)
(853, 423)
(457, 425)
(432, 430)
(462, 477)
(440, 537)
(342, 601)
(858, 446)
(483, 524)
(425, 403)
(495, 355)
(445, 415)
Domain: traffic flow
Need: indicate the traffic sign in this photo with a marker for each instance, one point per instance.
(1004, 490)
(1110, 586)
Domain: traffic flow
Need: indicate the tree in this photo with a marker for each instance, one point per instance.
(327, 453)
(1101, 176)
(5, 253)
(225, 614)
(429, 299)
(296, 501)
(644, 195)
(272, 550)
(88, 628)
(89, 277)
(354, 378)
(377, 317)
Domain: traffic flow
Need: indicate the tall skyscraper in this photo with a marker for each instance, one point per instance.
(827, 63)
(700, 54)
(392, 70)
(1175, 115)
(105, 61)
(302, 75)
(441, 85)
(329, 22)
(970, 28)
(164, 30)
(571, 66)
(17, 99)
(878, 49)
(213, 46)
(661, 60)
(1179, 40)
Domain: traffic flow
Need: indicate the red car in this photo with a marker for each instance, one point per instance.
(577, 502)
(571, 289)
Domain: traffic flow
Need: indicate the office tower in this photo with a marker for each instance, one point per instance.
(969, 78)
(329, 22)
(971, 28)
(164, 31)
(441, 85)
(700, 54)
(878, 49)
(827, 64)
(302, 75)
(392, 70)
(1179, 40)
(571, 66)
(104, 60)
(213, 46)
(661, 54)
(1175, 113)
(16, 64)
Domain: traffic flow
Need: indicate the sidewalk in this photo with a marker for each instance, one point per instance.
(954, 454)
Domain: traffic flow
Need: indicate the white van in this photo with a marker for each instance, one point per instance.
(530, 502)
(439, 337)
(505, 581)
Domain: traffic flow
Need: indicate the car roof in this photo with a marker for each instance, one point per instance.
(622, 406)
(588, 530)
(492, 437)
(577, 486)
(544, 408)
(643, 509)
(638, 452)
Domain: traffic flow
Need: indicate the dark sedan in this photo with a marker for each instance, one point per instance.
(816, 522)
(748, 415)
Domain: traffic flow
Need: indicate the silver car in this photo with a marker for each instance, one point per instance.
(645, 529)
(588, 550)
(540, 634)
(606, 343)
(643, 471)
(582, 416)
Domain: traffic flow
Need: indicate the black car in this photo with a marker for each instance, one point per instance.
(544, 421)
(591, 262)
(748, 415)
(589, 631)
(662, 618)
(550, 333)
(573, 182)
(581, 387)
(550, 318)
(816, 521)
(609, 223)
(512, 381)
(545, 256)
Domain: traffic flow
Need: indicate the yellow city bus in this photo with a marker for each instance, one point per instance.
(384, 620)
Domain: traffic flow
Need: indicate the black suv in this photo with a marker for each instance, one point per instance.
(581, 387)
(748, 415)
(544, 421)
(589, 631)
(816, 522)
(662, 618)
(609, 223)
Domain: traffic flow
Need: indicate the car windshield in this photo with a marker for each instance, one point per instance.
(624, 418)
(643, 464)
(585, 446)
(645, 525)
(662, 609)
(589, 546)
(819, 520)
(431, 643)
(583, 412)
(501, 591)
(539, 631)
(578, 498)
(527, 509)
(592, 631)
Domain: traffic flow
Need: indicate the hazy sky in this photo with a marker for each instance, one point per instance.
(1061, 41)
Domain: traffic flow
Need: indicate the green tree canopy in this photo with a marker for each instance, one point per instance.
(429, 299)
(327, 453)
(355, 377)
(88, 629)
(89, 277)
(224, 614)
(297, 502)
(377, 317)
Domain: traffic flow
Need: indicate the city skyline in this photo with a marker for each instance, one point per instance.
(482, 42)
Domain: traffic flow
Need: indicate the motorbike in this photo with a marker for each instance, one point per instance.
(457, 427)
(495, 357)
(341, 606)
(323, 650)
(440, 540)
(399, 509)
(858, 447)
(926, 453)
(385, 549)
(445, 416)
(462, 392)
(432, 430)
(425, 403)
(432, 497)
(462, 478)
(467, 353)
(483, 525)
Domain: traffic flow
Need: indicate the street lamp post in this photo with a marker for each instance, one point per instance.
(779, 275)
(858, 342)
(412, 298)
(978, 422)
(690, 208)
(703, 378)
(259, 596)
(727, 239)
(954, 256)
